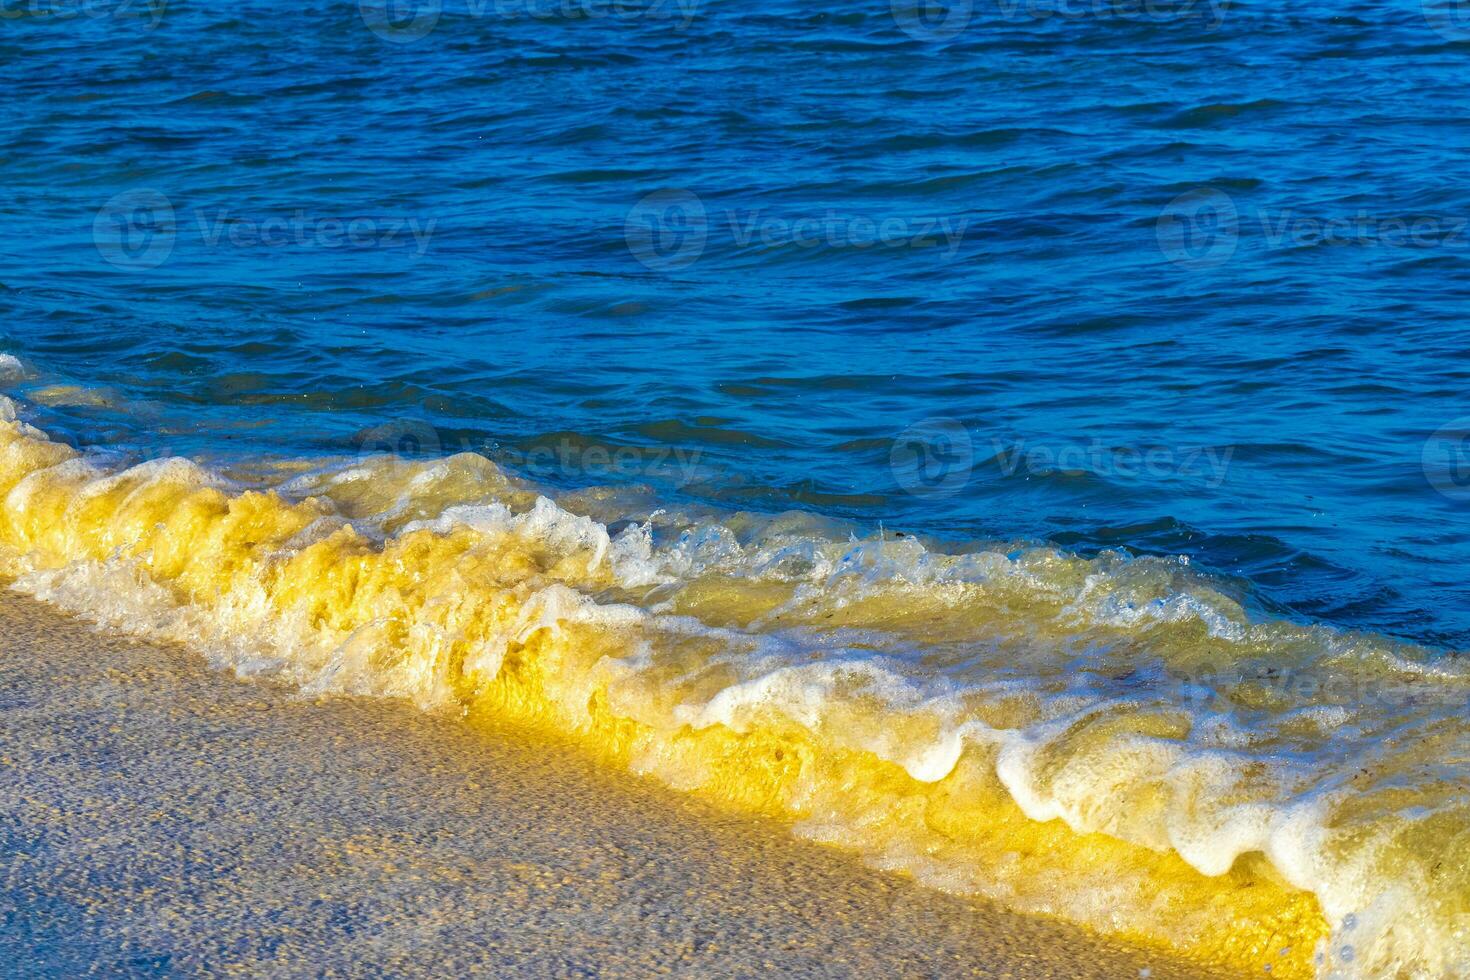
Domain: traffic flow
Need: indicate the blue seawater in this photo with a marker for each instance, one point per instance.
(1147, 258)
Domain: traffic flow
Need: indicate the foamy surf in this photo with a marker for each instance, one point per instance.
(1118, 742)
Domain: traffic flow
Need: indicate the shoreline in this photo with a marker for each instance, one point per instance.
(159, 816)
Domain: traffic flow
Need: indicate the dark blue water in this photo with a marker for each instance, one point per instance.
(1169, 278)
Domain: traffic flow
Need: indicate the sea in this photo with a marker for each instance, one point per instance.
(1023, 442)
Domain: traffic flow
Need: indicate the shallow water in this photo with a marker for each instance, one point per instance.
(1027, 448)
(116, 780)
(1117, 741)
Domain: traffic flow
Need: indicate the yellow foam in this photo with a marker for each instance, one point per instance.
(451, 619)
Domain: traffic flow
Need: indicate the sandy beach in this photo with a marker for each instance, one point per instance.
(160, 817)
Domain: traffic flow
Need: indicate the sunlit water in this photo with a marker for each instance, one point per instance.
(1062, 406)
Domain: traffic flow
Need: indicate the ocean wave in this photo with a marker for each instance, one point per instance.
(1114, 740)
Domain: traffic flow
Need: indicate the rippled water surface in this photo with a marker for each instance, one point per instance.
(1025, 443)
(1011, 218)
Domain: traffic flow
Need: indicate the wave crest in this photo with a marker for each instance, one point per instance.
(1111, 740)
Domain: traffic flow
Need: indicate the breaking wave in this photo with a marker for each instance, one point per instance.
(1117, 741)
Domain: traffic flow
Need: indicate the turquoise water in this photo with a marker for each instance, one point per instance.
(1068, 260)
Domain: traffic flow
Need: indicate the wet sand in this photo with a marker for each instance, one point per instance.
(158, 817)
